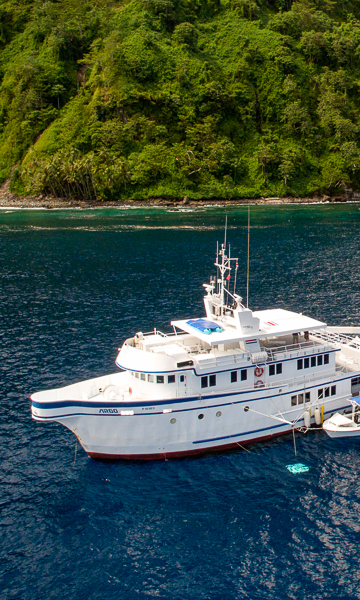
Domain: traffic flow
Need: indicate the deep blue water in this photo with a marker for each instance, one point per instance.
(239, 525)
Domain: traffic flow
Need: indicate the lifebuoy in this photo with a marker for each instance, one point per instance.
(258, 371)
(259, 383)
(130, 391)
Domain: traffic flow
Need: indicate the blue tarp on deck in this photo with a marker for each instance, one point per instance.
(204, 325)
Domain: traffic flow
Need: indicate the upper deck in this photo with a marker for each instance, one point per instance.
(270, 323)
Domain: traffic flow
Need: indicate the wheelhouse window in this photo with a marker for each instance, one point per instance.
(243, 374)
(233, 376)
(159, 378)
(171, 378)
(204, 382)
(212, 380)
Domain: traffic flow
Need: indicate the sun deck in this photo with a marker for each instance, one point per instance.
(185, 346)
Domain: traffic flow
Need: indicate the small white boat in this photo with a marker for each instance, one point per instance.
(340, 426)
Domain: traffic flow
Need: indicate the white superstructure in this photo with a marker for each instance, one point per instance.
(216, 382)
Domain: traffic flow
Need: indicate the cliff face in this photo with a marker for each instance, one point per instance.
(163, 98)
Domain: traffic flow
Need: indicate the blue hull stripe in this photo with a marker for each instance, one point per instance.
(148, 414)
(139, 404)
(245, 433)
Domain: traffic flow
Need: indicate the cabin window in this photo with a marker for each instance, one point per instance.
(151, 378)
(299, 398)
(300, 364)
(137, 375)
(326, 359)
(233, 376)
(277, 368)
(313, 361)
(204, 382)
(142, 376)
(306, 363)
(182, 378)
(201, 416)
(243, 374)
(171, 378)
(333, 390)
(159, 378)
(320, 393)
(212, 380)
(327, 392)
(319, 360)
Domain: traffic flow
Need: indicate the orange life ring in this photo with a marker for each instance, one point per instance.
(259, 383)
(130, 391)
(258, 371)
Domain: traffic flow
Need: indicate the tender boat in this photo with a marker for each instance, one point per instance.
(340, 426)
(217, 381)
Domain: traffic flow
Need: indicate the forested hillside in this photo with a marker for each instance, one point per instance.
(106, 99)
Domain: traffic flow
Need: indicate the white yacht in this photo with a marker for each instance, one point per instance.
(218, 381)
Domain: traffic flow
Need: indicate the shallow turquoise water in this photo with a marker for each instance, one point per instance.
(74, 284)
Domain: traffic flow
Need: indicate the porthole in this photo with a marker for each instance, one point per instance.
(200, 416)
(218, 414)
(173, 420)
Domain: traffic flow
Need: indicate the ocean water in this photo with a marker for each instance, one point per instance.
(239, 525)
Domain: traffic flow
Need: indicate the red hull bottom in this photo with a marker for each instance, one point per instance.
(182, 454)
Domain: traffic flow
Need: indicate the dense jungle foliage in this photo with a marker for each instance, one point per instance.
(113, 99)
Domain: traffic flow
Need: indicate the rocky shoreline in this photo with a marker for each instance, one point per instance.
(10, 200)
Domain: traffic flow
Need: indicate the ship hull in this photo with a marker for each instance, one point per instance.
(138, 429)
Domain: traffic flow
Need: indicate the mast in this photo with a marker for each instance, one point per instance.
(224, 270)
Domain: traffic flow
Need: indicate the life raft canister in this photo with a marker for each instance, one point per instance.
(258, 371)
